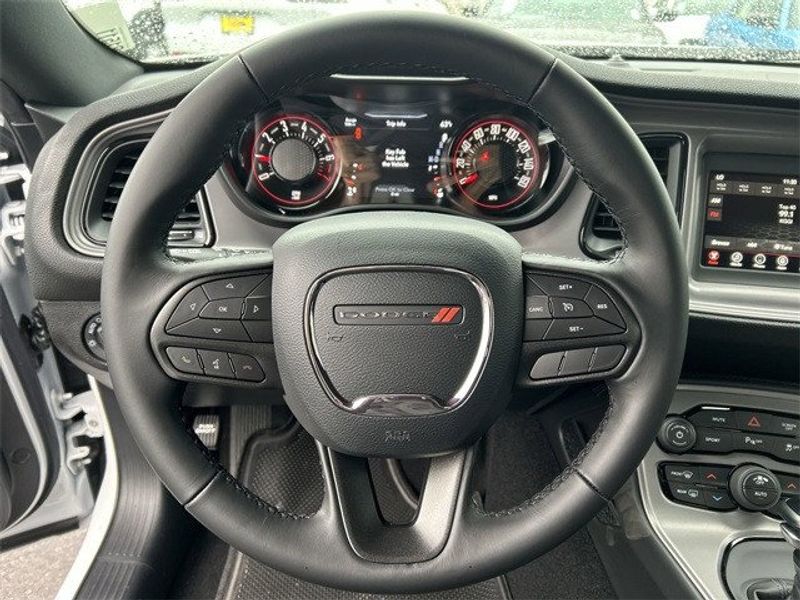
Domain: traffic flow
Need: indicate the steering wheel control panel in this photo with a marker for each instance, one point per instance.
(723, 487)
(721, 430)
(574, 318)
(218, 328)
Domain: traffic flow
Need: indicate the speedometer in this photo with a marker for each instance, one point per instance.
(496, 164)
(294, 161)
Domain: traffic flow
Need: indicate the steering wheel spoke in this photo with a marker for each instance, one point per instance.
(578, 327)
(216, 326)
(370, 536)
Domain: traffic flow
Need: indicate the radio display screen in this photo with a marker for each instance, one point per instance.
(752, 222)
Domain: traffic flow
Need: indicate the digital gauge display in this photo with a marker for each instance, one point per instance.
(419, 147)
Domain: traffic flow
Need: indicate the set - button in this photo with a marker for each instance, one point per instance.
(212, 363)
(233, 309)
(558, 308)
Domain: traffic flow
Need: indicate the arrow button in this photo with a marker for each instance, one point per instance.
(257, 309)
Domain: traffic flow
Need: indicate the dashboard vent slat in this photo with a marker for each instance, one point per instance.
(190, 227)
(601, 236)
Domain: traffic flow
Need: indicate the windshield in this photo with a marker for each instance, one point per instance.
(191, 31)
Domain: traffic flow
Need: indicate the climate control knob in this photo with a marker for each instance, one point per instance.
(754, 488)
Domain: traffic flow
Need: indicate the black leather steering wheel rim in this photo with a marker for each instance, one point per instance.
(648, 274)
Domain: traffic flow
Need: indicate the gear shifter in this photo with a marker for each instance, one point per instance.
(789, 512)
(755, 488)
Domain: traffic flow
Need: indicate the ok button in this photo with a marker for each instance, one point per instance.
(222, 309)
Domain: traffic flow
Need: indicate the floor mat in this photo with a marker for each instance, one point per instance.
(520, 463)
(286, 472)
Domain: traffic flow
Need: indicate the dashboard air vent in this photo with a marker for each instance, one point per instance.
(601, 235)
(191, 226)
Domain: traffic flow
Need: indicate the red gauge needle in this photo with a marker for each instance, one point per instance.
(262, 158)
(469, 179)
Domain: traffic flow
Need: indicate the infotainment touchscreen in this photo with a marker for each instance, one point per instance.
(751, 222)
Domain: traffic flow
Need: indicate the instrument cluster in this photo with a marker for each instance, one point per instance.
(354, 144)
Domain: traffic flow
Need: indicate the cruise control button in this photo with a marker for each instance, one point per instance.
(537, 307)
(710, 440)
(212, 329)
(576, 362)
(184, 360)
(246, 367)
(257, 309)
(753, 421)
(606, 358)
(233, 287)
(686, 493)
(216, 364)
(602, 306)
(786, 449)
(714, 418)
(188, 308)
(535, 330)
(752, 442)
(579, 328)
(718, 499)
(222, 309)
(565, 308)
(560, 286)
(260, 331)
(546, 366)
(680, 473)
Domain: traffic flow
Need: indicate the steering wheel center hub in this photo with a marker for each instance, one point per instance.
(399, 339)
(397, 334)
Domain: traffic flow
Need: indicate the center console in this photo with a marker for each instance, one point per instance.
(724, 459)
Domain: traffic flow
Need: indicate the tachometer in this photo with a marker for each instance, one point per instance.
(295, 162)
(496, 164)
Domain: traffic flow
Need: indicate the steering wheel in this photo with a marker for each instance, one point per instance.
(366, 367)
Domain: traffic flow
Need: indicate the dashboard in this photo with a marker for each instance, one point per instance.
(449, 145)
(354, 144)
